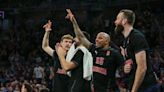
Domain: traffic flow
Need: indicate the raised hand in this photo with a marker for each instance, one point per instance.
(47, 26)
(69, 16)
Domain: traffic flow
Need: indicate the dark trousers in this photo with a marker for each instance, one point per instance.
(61, 83)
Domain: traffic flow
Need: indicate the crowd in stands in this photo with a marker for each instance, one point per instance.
(21, 53)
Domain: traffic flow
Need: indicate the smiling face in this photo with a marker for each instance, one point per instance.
(102, 40)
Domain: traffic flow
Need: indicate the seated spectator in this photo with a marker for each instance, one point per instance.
(26, 88)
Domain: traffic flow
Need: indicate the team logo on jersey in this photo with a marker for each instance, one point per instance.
(108, 53)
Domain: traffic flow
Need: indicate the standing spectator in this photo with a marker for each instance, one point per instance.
(26, 88)
(38, 73)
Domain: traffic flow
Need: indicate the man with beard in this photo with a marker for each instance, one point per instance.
(105, 59)
(61, 78)
(135, 50)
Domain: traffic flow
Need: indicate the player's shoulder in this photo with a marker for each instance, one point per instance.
(113, 50)
(137, 33)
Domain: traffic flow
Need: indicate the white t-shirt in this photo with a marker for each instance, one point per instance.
(38, 71)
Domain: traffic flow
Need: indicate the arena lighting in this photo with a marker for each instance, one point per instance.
(2, 14)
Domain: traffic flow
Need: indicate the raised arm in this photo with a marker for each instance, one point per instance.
(45, 42)
(79, 34)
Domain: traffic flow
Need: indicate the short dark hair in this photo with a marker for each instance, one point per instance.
(129, 15)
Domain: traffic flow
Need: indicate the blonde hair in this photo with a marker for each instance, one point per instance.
(67, 36)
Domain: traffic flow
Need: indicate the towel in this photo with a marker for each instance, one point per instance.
(87, 60)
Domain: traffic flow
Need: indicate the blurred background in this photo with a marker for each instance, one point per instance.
(21, 32)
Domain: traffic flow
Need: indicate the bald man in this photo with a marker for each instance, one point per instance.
(105, 59)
